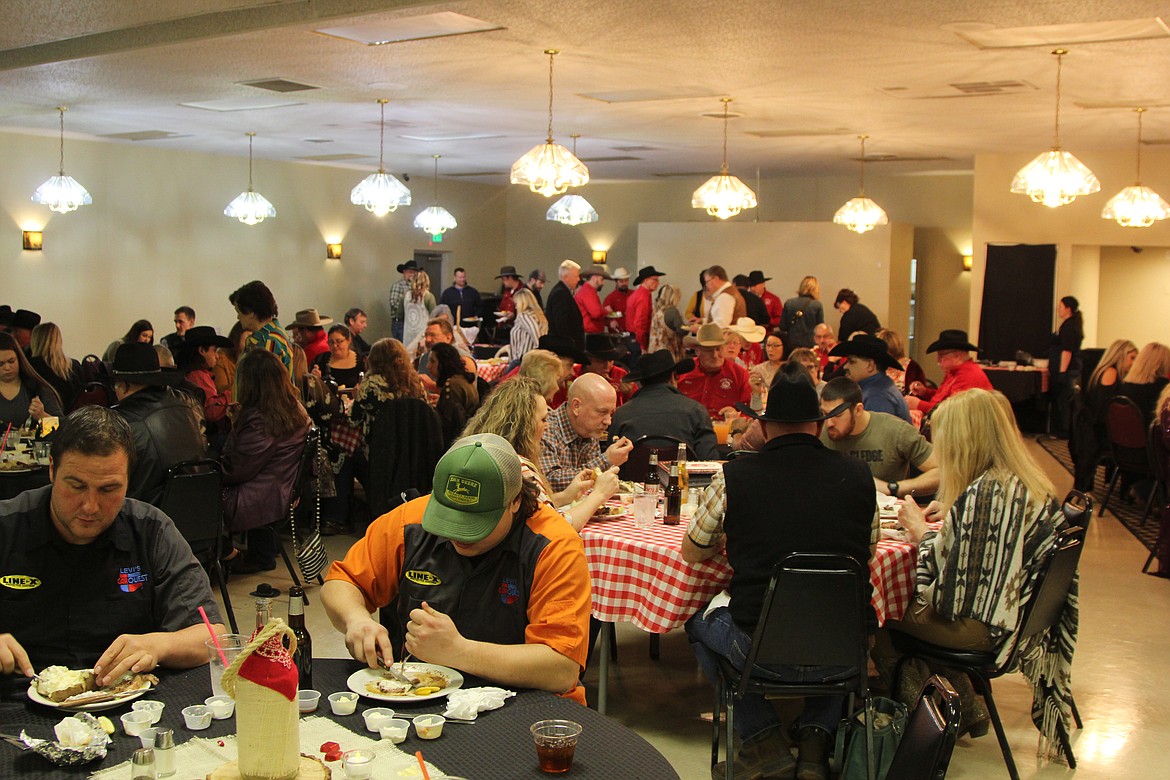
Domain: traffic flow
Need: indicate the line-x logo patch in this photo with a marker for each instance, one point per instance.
(19, 581)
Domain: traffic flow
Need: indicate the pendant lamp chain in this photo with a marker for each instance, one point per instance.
(862, 177)
(436, 156)
(1059, 66)
(250, 137)
(726, 102)
(382, 135)
(61, 111)
(551, 54)
(1139, 111)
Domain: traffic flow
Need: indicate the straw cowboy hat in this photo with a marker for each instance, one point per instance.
(709, 335)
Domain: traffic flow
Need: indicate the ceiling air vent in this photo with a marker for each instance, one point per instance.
(961, 90)
(277, 85)
(334, 157)
(144, 135)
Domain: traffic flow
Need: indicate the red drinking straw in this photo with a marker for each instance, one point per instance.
(422, 765)
(214, 638)
(4, 442)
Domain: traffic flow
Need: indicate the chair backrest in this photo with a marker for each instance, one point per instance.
(1077, 509)
(1126, 427)
(405, 443)
(1050, 594)
(814, 614)
(192, 498)
(637, 463)
(931, 730)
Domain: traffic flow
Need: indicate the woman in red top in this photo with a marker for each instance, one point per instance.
(196, 360)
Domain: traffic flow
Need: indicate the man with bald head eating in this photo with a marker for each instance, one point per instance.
(570, 440)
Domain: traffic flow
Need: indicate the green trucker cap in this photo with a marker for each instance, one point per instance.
(474, 483)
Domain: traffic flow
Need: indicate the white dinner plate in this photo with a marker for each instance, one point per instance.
(109, 704)
(357, 682)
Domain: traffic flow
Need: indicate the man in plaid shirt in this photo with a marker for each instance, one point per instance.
(569, 443)
(398, 297)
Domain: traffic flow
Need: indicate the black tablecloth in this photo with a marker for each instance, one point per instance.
(497, 746)
(13, 483)
(1017, 386)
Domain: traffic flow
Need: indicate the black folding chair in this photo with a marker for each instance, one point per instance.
(1042, 612)
(192, 498)
(1157, 454)
(931, 730)
(1126, 427)
(638, 462)
(814, 614)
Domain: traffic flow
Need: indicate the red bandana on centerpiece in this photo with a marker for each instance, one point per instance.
(271, 666)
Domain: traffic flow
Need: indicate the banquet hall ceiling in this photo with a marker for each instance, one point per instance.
(635, 79)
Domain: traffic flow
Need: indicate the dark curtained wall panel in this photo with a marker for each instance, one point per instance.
(1017, 301)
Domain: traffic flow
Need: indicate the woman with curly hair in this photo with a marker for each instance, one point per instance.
(518, 412)
(667, 327)
(458, 396)
(389, 375)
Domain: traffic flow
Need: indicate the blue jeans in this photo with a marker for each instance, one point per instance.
(718, 635)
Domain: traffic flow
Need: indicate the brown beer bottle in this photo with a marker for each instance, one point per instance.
(303, 657)
(670, 515)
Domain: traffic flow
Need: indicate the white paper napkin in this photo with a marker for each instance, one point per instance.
(466, 703)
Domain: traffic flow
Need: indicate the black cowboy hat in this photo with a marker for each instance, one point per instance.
(866, 346)
(5, 316)
(562, 346)
(602, 347)
(508, 270)
(952, 339)
(757, 277)
(205, 336)
(646, 273)
(409, 265)
(659, 363)
(137, 363)
(792, 399)
(23, 318)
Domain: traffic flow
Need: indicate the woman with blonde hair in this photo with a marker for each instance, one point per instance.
(546, 369)
(909, 371)
(529, 326)
(518, 412)
(417, 306)
(667, 327)
(977, 572)
(802, 314)
(47, 357)
(1147, 377)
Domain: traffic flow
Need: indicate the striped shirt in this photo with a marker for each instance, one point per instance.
(272, 338)
(525, 336)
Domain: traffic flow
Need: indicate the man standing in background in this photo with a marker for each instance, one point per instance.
(355, 320)
(398, 293)
(640, 305)
(461, 298)
(617, 300)
(536, 281)
(589, 300)
(184, 319)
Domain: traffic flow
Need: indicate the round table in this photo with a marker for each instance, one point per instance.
(497, 747)
(13, 483)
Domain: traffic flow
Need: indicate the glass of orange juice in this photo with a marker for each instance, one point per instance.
(722, 429)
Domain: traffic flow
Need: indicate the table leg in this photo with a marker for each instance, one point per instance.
(603, 669)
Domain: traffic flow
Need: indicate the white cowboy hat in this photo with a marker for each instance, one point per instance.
(747, 327)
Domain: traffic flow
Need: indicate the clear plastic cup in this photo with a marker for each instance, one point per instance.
(645, 505)
(556, 742)
(232, 645)
(394, 729)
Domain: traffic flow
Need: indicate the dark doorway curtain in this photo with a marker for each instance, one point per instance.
(1017, 301)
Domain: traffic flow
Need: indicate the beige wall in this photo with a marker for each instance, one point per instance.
(1135, 295)
(155, 237)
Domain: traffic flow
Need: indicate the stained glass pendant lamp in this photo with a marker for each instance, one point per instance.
(549, 168)
(250, 207)
(380, 193)
(62, 193)
(724, 196)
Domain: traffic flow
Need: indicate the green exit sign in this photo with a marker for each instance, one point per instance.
(437, 238)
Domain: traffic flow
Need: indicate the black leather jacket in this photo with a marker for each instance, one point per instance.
(166, 432)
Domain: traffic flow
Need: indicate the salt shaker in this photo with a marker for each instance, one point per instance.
(142, 766)
(164, 752)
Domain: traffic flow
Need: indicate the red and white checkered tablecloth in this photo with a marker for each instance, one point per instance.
(490, 372)
(640, 576)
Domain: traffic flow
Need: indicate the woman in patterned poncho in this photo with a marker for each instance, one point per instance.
(976, 573)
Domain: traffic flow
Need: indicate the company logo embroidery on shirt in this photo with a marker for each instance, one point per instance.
(422, 577)
(509, 591)
(19, 581)
(131, 578)
(725, 383)
(461, 490)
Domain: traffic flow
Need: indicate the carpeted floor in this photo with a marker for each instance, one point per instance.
(1129, 514)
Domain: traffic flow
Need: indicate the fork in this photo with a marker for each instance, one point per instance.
(396, 674)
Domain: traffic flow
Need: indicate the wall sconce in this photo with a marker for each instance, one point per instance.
(599, 256)
(967, 261)
(333, 251)
(34, 240)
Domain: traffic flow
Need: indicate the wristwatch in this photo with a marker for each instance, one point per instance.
(893, 488)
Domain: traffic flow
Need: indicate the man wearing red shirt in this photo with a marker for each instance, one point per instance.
(825, 340)
(716, 383)
(589, 302)
(617, 300)
(961, 372)
(511, 281)
(640, 305)
(308, 331)
(775, 306)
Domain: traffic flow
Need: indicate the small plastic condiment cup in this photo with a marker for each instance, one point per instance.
(147, 737)
(429, 726)
(307, 701)
(394, 729)
(343, 702)
(222, 707)
(135, 722)
(358, 764)
(374, 715)
(154, 708)
(197, 717)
